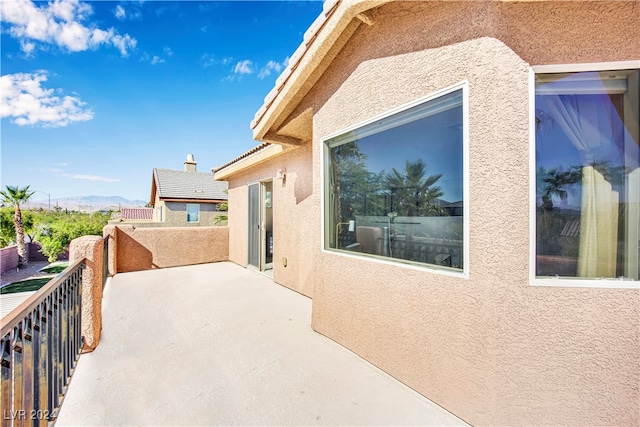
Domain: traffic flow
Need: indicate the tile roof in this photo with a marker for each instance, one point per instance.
(136, 213)
(309, 37)
(175, 184)
(242, 156)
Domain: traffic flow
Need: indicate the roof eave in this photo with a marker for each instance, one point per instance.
(223, 173)
(192, 199)
(311, 56)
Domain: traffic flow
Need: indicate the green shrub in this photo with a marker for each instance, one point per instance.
(58, 230)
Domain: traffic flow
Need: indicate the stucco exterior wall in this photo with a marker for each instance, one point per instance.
(90, 248)
(490, 348)
(175, 214)
(294, 213)
(146, 248)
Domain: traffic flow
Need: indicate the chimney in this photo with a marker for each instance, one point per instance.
(190, 164)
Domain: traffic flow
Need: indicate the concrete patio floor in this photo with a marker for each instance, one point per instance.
(216, 344)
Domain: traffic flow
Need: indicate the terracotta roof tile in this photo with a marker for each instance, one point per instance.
(242, 156)
(328, 8)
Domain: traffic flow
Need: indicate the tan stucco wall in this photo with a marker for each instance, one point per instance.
(491, 348)
(146, 248)
(90, 248)
(294, 213)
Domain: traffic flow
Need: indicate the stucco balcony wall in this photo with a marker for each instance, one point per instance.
(134, 249)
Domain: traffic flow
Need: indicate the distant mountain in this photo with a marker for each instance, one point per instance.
(87, 203)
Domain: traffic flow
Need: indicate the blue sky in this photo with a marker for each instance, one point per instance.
(94, 95)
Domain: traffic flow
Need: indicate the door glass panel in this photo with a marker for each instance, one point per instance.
(254, 226)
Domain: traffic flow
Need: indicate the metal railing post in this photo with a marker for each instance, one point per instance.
(40, 344)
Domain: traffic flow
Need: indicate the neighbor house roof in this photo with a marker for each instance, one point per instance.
(136, 213)
(171, 184)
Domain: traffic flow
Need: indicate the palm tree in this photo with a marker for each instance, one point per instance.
(556, 182)
(414, 192)
(15, 196)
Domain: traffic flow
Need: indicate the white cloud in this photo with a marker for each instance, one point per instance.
(59, 23)
(94, 178)
(167, 51)
(156, 60)
(23, 99)
(120, 12)
(209, 60)
(123, 43)
(27, 48)
(271, 67)
(243, 67)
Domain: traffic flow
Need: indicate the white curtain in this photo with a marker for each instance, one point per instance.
(598, 226)
(586, 120)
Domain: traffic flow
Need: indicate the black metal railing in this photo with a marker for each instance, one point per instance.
(443, 252)
(105, 260)
(40, 343)
(429, 251)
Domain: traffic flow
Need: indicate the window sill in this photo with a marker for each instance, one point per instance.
(570, 282)
(426, 268)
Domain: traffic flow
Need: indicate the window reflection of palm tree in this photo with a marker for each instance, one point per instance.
(414, 191)
(556, 182)
(342, 152)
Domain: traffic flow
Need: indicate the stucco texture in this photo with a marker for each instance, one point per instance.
(90, 248)
(138, 249)
(294, 213)
(490, 348)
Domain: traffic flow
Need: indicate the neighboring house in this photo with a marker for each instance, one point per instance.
(525, 117)
(187, 197)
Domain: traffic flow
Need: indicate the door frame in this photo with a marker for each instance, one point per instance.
(257, 214)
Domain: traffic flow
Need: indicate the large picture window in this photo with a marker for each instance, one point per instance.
(394, 188)
(587, 174)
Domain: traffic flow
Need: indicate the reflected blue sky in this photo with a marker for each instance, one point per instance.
(604, 130)
(436, 139)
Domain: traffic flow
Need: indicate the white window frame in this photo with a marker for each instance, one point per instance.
(571, 282)
(464, 273)
(187, 212)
